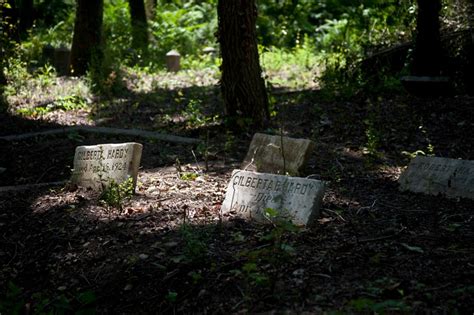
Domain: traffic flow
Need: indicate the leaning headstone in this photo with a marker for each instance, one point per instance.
(96, 166)
(277, 155)
(48, 54)
(211, 51)
(173, 61)
(428, 86)
(249, 194)
(62, 55)
(434, 175)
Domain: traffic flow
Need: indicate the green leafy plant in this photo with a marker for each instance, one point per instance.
(261, 268)
(12, 302)
(115, 194)
(172, 296)
(68, 103)
(195, 249)
(186, 26)
(384, 307)
(194, 116)
(188, 176)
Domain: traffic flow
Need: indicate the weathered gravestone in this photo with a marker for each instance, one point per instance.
(173, 61)
(249, 194)
(96, 166)
(434, 175)
(277, 155)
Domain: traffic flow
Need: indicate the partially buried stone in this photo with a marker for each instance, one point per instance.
(250, 194)
(435, 175)
(277, 155)
(97, 166)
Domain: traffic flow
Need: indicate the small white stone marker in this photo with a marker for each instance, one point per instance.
(173, 61)
(249, 194)
(434, 175)
(97, 166)
(277, 155)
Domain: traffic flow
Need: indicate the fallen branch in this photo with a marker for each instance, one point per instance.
(381, 238)
(104, 130)
(29, 186)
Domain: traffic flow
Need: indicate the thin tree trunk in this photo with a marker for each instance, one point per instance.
(150, 9)
(242, 85)
(427, 56)
(469, 73)
(139, 25)
(87, 40)
(26, 16)
(9, 20)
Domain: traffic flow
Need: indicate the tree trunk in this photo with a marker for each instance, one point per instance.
(242, 85)
(26, 16)
(139, 25)
(87, 40)
(469, 73)
(8, 35)
(9, 21)
(150, 9)
(427, 55)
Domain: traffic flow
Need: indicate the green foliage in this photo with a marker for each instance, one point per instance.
(196, 240)
(294, 68)
(194, 116)
(13, 302)
(115, 194)
(261, 268)
(117, 31)
(350, 32)
(68, 103)
(384, 307)
(16, 74)
(188, 176)
(282, 23)
(171, 296)
(56, 36)
(373, 139)
(186, 26)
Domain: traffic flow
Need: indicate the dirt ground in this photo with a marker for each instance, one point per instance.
(170, 250)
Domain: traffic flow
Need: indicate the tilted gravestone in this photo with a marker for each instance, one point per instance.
(277, 154)
(96, 166)
(249, 194)
(434, 175)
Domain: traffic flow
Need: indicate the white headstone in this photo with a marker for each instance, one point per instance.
(277, 155)
(434, 175)
(249, 194)
(96, 166)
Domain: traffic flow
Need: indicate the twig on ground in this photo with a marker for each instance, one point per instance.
(104, 130)
(381, 238)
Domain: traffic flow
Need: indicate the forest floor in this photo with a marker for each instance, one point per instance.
(168, 249)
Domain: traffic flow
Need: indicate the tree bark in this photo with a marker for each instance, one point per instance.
(427, 55)
(8, 35)
(150, 9)
(242, 85)
(87, 39)
(9, 21)
(26, 16)
(139, 25)
(469, 73)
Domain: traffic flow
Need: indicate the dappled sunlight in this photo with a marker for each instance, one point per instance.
(138, 81)
(325, 74)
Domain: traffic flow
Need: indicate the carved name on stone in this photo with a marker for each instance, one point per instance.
(98, 165)
(277, 155)
(434, 175)
(249, 194)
